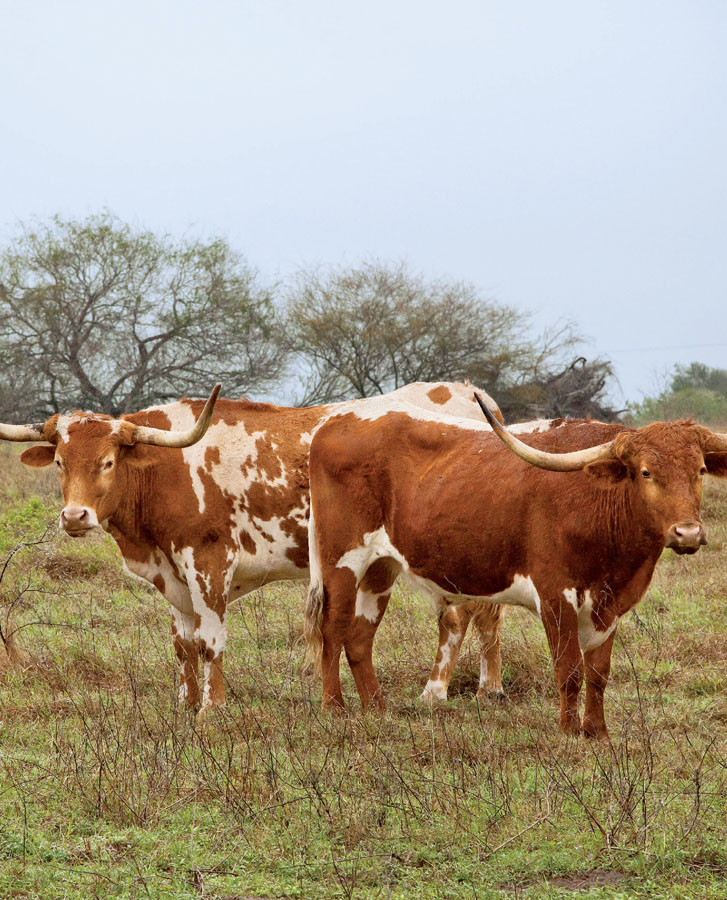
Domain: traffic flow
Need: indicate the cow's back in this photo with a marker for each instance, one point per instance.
(414, 479)
(249, 475)
(452, 398)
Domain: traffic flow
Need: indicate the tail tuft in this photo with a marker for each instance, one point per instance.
(312, 627)
(312, 630)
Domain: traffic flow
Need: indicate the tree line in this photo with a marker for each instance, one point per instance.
(694, 391)
(97, 315)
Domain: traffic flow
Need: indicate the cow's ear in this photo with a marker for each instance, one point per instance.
(607, 471)
(39, 456)
(716, 464)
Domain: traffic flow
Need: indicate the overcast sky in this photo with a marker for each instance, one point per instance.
(567, 157)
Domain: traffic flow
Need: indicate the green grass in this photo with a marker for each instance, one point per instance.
(108, 789)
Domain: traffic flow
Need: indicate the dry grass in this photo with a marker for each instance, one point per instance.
(109, 789)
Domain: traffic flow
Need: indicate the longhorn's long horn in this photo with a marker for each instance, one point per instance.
(556, 462)
(144, 434)
(21, 432)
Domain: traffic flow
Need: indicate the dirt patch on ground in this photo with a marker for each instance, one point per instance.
(580, 881)
(585, 880)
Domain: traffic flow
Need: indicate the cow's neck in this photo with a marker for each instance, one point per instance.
(133, 519)
(629, 553)
(635, 585)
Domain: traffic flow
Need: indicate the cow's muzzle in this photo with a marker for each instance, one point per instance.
(77, 521)
(686, 537)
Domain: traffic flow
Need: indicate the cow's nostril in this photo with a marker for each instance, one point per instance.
(686, 535)
(75, 515)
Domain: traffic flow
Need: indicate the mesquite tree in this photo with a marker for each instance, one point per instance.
(363, 330)
(95, 315)
(369, 329)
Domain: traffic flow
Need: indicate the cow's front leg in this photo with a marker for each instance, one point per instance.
(185, 646)
(208, 581)
(598, 667)
(561, 626)
(487, 621)
(453, 622)
(211, 633)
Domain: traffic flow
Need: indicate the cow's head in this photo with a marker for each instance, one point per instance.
(661, 466)
(91, 452)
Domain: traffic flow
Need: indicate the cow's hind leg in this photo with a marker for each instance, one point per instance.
(372, 598)
(487, 620)
(453, 623)
(339, 604)
(185, 646)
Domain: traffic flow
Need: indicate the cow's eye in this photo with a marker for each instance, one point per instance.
(646, 473)
(703, 470)
(58, 463)
(109, 464)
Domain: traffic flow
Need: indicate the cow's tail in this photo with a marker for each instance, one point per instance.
(314, 606)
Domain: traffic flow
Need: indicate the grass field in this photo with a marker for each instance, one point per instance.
(108, 789)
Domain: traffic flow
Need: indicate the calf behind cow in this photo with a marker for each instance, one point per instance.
(205, 501)
(465, 517)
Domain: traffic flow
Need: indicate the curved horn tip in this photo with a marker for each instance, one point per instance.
(489, 415)
(211, 400)
(179, 439)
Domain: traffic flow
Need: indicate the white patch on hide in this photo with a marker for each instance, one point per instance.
(589, 637)
(367, 605)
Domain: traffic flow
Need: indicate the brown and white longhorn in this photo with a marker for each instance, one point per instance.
(206, 501)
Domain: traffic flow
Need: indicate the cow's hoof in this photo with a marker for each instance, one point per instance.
(188, 698)
(206, 708)
(571, 730)
(597, 735)
(433, 695)
(434, 692)
(498, 696)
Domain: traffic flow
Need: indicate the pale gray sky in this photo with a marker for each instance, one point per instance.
(567, 157)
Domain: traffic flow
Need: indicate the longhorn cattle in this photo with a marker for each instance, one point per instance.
(463, 515)
(206, 502)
